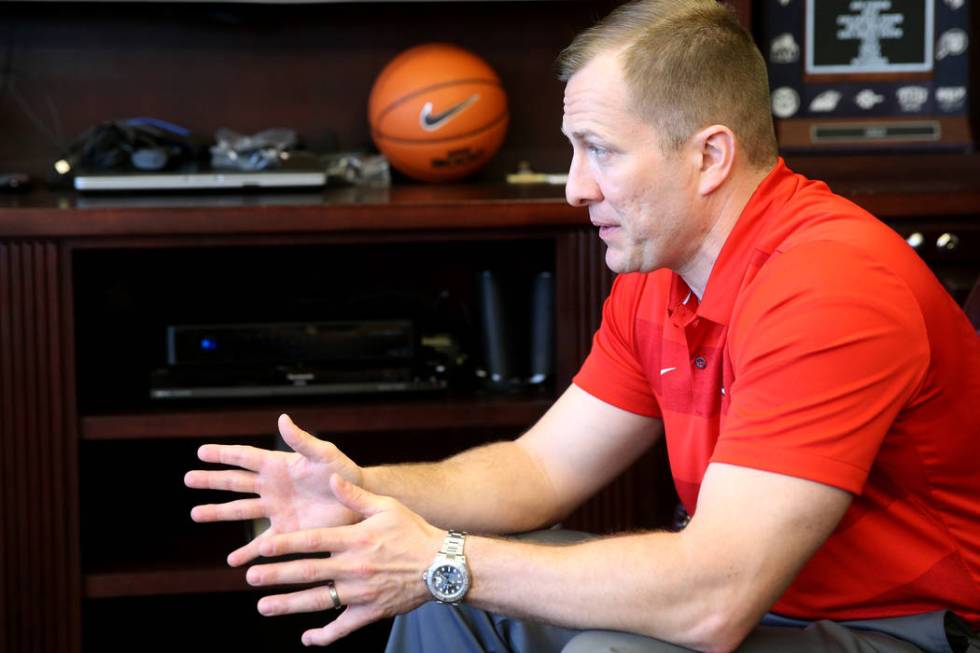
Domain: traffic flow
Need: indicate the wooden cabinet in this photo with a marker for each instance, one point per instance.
(99, 543)
(92, 467)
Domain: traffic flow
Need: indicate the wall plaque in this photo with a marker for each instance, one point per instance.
(869, 74)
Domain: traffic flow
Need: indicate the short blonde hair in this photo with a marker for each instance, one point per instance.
(688, 64)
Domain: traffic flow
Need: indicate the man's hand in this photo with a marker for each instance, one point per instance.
(376, 564)
(293, 488)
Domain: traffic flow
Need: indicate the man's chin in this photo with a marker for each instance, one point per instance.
(620, 264)
(616, 263)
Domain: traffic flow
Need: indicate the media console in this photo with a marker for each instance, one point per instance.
(91, 465)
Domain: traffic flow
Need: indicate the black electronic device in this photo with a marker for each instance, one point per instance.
(291, 342)
(870, 75)
(146, 144)
(148, 154)
(494, 330)
(542, 328)
(505, 350)
(207, 361)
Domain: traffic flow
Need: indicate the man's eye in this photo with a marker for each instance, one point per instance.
(598, 151)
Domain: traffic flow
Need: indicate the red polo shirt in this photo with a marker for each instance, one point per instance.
(825, 349)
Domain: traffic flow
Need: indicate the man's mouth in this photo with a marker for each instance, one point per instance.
(605, 228)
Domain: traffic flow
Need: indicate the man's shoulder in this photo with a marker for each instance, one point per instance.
(824, 293)
(822, 236)
(815, 213)
(821, 267)
(804, 225)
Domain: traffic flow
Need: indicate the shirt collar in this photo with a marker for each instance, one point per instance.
(682, 303)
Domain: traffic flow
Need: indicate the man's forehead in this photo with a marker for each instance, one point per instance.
(602, 75)
(595, 96)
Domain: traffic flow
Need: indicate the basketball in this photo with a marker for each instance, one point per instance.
(437, 112)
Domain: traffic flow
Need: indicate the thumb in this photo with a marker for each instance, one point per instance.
(299, 440)
(356, 498)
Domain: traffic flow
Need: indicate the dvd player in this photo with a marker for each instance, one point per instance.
(230, 383)
(294, 359)
(291, 343)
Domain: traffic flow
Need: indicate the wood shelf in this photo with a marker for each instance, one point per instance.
(164, 580)
(405, 415)
(409, 207)
(888, 185)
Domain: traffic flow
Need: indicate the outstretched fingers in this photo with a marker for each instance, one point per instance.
(357, 498)
(306, 444)
(314, 540)
(232, 480)
(312, 599)
(232, 511)
(293, 572)
(353, 618)
(246, 554)
(239, 455)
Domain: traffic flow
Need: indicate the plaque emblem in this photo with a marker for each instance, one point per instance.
(826, 101)
(785, 102)
(869, 36)
(784, 49)
(951, 98)
(911, 99)
(868, 99)
(952, 43)
(870, 27)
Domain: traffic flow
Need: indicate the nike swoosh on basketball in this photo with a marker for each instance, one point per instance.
(667, 369)
(431, 122)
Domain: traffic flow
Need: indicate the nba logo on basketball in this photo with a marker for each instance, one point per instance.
(438, 112)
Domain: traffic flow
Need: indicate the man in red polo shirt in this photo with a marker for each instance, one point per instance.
(816, 386)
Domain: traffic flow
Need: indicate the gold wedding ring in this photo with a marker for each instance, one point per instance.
(334, 596)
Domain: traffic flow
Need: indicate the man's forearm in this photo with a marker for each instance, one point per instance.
(705, 587)
(645, 583)
(575, 449)
(497, 488)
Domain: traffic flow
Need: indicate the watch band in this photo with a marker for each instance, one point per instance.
(448, 578)
(453, 544)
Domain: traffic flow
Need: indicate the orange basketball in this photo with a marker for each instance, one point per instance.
(438, 112)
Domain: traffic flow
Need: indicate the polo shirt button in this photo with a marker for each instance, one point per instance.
(700, 363)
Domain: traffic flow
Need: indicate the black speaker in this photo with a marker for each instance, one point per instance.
(511, 359)
(542, 328)
(494, 326)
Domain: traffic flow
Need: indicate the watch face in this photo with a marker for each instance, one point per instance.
(448, 582)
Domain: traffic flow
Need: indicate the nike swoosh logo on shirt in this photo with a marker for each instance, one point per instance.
(667, 369)
(431, 122)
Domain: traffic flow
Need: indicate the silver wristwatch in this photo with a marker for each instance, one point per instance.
(448, 578)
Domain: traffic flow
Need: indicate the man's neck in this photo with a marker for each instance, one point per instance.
(727, 206)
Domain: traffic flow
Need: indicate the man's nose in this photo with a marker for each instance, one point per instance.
(581, 188)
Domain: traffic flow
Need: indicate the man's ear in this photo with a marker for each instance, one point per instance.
(715, 149)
